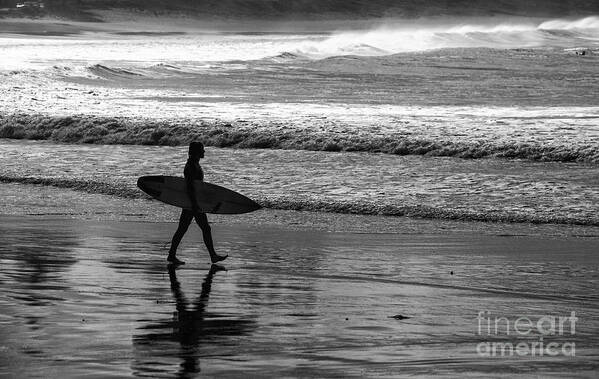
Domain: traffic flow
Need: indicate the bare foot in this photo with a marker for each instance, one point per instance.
(173, 260)
(217, 258)
(216, 268)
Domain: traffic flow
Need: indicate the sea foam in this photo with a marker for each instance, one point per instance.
(315, 204)
(109, 130)
(403, 36)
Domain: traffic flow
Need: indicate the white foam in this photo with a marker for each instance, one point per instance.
(401, 36)
(394, 37)
(39, 53)
(585, 23)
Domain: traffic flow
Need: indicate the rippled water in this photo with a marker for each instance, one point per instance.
(486, 189)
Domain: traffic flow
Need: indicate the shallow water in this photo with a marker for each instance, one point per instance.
(484, 189)
(83, 298)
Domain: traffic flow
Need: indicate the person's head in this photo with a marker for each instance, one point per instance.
(196, 150)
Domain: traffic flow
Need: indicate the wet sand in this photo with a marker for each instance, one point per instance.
(96, 299)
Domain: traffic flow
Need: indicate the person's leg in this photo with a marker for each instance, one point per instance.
(184, 221)
(202, 221)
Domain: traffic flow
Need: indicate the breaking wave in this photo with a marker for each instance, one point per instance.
(362, 207)
(101, 130)
(110, 72)
(421, 35)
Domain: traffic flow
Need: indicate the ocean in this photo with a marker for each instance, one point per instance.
(418, 177)
(479, 121)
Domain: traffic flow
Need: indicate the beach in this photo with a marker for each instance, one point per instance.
(96, 299)
(429, 193)
(85, 293)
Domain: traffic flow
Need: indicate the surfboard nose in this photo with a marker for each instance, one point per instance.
(145, 183)
(140, 183)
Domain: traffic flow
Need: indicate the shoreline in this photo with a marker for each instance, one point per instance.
(418, 187)
(47, 202)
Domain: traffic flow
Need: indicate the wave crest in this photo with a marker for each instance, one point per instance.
(584, 23)
(112, 72)
(100, 130)
(405, 36)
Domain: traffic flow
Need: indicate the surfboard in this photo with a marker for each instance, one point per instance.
(211, 198)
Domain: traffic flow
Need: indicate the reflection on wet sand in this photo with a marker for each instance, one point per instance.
(94, 299)
(34, 258)
(182, 336)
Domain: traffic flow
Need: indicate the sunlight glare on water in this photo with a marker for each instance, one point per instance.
(35, 53)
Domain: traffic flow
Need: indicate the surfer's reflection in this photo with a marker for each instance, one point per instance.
(188, 323)
(190, 327)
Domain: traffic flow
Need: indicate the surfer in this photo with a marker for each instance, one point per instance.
(193, 171)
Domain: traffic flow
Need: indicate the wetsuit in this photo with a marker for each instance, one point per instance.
(193, 171)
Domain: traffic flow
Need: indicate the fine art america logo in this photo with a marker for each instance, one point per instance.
(526, 336)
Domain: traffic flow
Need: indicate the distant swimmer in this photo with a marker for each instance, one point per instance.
(193, 171)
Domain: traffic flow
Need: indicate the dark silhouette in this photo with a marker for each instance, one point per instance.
(193, 171)
(191, 327)
(190, 322)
